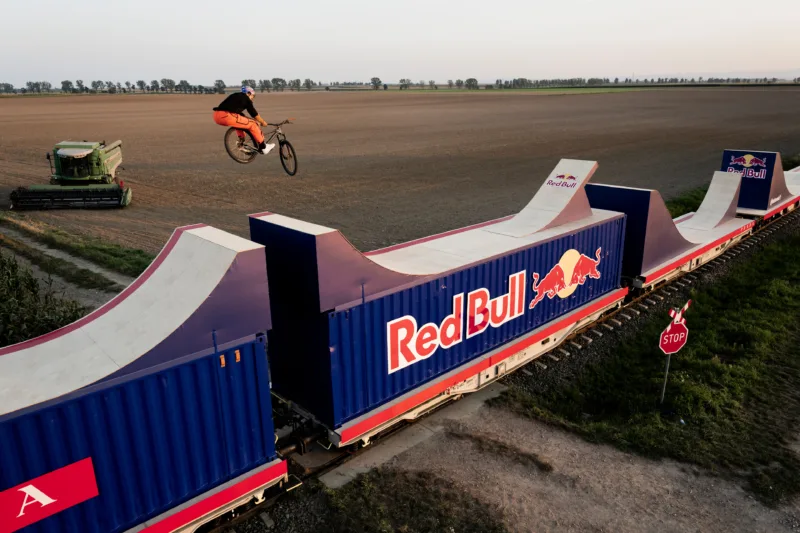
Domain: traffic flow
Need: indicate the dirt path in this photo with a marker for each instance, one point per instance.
(90, 298)
(591, 488)
(120, 279)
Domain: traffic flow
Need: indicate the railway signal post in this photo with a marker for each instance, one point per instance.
(673, 339)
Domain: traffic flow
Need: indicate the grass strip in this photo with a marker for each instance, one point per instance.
(60, 267)
(28, 306)
(128, 261)
(732, 403)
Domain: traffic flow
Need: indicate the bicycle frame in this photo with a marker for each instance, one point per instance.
(276, 132)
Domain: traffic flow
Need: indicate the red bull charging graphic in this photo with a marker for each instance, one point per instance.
(473, 314)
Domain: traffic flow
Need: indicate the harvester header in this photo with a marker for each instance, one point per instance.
(82, 174)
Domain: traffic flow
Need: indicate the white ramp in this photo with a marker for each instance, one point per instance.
(719, 203)
(560, 200)
(170, 311)
(793, 181)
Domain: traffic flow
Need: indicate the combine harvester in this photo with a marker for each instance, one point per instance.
(82, 174)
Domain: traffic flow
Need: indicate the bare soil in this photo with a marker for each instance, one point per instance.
(386, 167)
(586, 487)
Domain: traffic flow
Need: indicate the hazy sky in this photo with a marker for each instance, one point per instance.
(343, 40)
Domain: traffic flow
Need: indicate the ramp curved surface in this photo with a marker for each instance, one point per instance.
(653, 240)
(206, 288)
(344, 274)
(719, 204)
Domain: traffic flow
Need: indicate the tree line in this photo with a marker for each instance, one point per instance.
(167, 85)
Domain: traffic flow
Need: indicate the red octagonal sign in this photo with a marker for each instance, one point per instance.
(673, 338)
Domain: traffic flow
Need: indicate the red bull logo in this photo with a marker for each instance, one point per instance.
(749, 164)
(573, 266)
(409, 344)
(563, 180)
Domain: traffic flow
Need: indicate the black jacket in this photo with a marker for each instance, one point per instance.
(237, 103)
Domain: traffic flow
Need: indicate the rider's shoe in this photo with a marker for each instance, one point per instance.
(266, 148)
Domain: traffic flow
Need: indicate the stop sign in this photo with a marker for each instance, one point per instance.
(673, 338)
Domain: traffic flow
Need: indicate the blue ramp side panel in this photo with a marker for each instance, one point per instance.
(156, 439)
(763, 181)
(650, 236)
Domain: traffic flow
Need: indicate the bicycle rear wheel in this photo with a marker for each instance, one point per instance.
(288, 157)
(240, 145)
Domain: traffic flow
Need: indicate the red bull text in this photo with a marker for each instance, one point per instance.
(563, 180)
(409, 344)
(748, 163)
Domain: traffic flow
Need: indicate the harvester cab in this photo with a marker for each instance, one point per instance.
(82, 174)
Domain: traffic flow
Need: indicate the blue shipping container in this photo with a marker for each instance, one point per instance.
(156, 438)
(336, 364)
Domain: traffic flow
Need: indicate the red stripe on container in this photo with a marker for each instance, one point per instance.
(423, 396)
(220, 499)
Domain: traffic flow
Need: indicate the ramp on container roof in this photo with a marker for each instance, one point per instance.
(206, 288)
(765, 187)
(653, 240)
(345, 275)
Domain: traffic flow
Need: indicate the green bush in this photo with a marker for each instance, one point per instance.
(29, 307)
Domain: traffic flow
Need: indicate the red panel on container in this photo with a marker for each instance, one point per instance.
(46, 495)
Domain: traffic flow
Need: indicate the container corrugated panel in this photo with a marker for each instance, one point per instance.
(156, 440)
(359, 367)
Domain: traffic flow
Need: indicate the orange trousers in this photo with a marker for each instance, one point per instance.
(223, 118)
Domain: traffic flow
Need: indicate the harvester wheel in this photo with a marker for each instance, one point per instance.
(242, 149)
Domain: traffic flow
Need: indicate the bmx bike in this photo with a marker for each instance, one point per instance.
(243, 148)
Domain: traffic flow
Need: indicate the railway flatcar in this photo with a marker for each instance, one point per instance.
(160, 412)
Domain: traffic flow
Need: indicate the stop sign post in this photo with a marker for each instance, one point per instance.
(673, 339)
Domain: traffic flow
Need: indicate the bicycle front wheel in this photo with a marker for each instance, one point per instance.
(288, 157)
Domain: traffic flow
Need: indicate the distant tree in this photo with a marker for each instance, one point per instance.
(404, 84)
(168, 84)
(249, 83)
(46, 86)
(268, 85)
(154, 86)
(450, 84)
(112, 88)
(296, 84)
(376, 83)
(459, 83)
(6, 88)
(79, 84)
(279, 84)
(616, 81)
(421, 84)
(66, 86)
(119, 87)
(308, 84)
(141, 85)
(432, 84)
(472, 83)
(219, 86)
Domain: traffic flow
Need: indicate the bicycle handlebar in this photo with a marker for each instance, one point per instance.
(287, 121)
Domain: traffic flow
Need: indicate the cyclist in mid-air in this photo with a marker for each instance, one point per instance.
(230, 113)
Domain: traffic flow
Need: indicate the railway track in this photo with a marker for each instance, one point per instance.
(639, 301)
